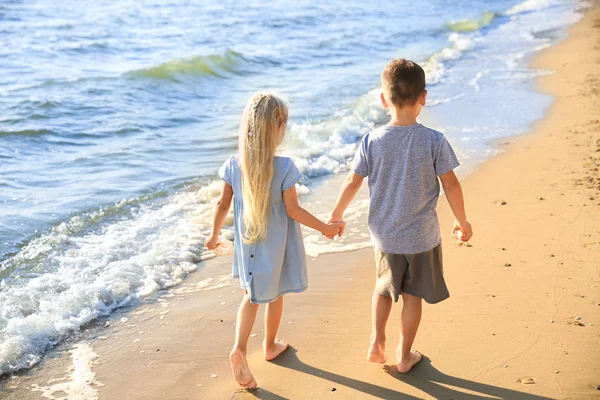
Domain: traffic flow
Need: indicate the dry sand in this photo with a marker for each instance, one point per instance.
(524, 298)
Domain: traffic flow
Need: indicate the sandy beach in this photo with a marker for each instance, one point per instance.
(522, 321)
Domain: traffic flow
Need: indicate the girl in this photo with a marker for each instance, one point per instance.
(269, 256)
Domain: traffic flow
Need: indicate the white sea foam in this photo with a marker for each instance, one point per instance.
(325, 147)
(317, 249)
(90, 275)
(529, 5)
(475, 81)
(207, 284)
(435, 102)
(80, 382)
(434, 67)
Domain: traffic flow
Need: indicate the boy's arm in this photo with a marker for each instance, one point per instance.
(454, 195)
(221, 211)
(350, 187)
(296, 212)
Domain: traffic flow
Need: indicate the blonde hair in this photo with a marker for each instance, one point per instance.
(259, 138)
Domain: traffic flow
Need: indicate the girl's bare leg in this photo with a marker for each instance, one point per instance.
(245, 320)
(273, 347)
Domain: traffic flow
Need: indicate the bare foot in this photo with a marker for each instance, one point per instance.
(273, 351)
(405, 365)
(241, 372)
(376, 352)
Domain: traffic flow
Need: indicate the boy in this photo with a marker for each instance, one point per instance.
(403, 161)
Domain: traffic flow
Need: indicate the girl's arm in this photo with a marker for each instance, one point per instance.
(294, 211)
(221, 211)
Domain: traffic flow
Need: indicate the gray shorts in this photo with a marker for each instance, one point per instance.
(419, 274)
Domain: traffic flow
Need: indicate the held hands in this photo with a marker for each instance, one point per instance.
(337, 221)
(462, 231)
(212, 242)
(334, 229)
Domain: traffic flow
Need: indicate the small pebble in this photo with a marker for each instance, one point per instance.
(214, 376)
(597, 387)
(508, 265)
(107, 324)
(527, 381)
(557, 371)
(506, 366)
(551, 321)
(124, 319)
(577, 318)
(253, 335)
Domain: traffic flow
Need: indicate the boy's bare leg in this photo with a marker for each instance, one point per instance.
(380, 311)
(410, 319)
(272, 346)
(245, 320)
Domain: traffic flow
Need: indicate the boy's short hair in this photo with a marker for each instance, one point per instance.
(403, 81)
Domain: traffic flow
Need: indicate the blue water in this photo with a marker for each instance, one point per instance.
(115, 116)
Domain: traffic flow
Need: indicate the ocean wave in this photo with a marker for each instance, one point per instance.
(436, 102)
(325, 147)
(528, 6)
(72, 275)
(434, 66)
(26, 132)
(471, 25)
(211, 65)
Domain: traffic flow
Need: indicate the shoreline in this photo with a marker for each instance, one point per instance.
(188, 330)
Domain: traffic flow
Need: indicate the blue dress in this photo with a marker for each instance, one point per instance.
(276, 265)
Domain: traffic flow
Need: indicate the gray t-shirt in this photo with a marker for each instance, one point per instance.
(403, 164)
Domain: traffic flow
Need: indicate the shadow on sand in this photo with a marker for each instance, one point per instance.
(424, 377)
(427, 378)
